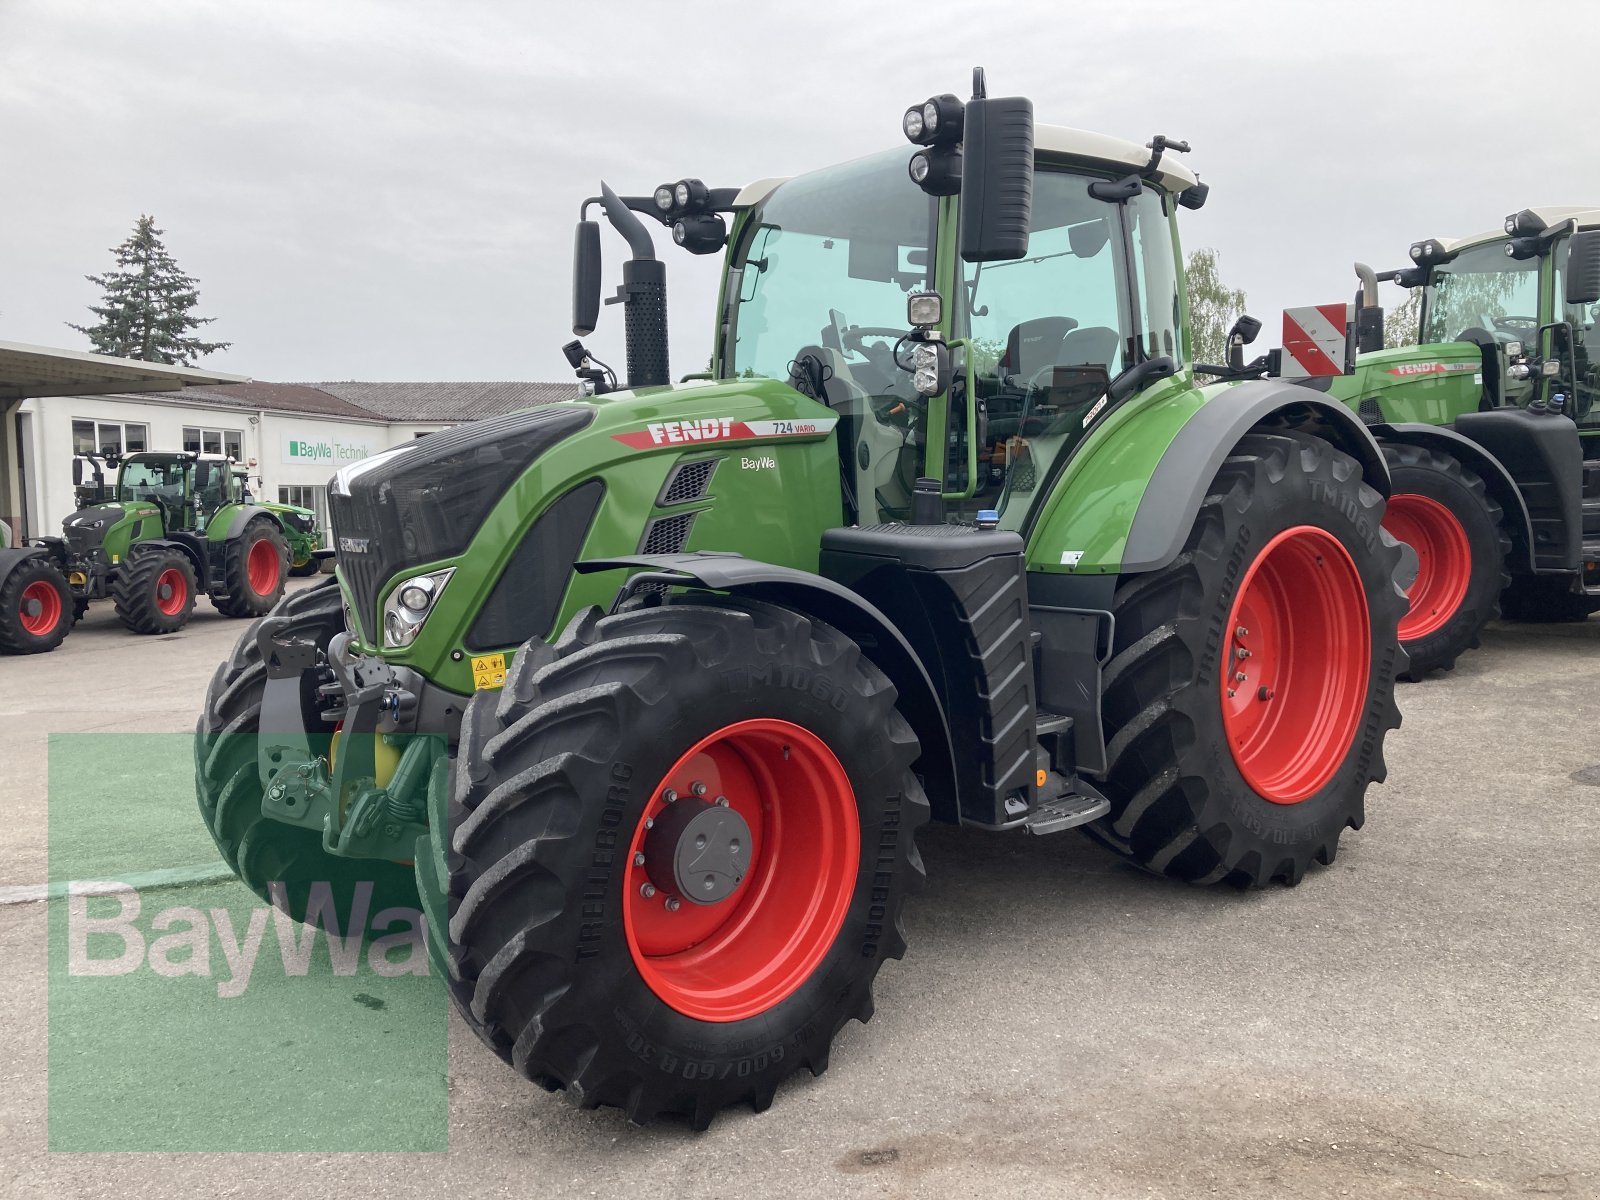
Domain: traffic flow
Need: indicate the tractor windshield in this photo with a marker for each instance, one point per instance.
(1482, 296)
(158, 479)
(1050, 331)
(818, 297)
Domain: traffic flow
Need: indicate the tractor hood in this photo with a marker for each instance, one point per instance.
(471, 501)
(87, 529)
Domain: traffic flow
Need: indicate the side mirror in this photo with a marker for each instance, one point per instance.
(1244, 331)
(1583, 268)
(586, 278)
(77, 472)
(996, 178)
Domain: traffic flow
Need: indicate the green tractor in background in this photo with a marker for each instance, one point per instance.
(174, 526)
(655, 687)
(1490, 426)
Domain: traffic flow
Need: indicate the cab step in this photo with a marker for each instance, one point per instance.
(1067, 812)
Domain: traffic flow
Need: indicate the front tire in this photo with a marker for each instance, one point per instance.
(1212, 777)
(154, 590)
(262, 851)
(1443, 511)
(35, 608)
(591, 970)
(254, 569)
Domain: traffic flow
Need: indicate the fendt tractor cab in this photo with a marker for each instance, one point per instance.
(171, 527)
(1491, 426)
(655, 686)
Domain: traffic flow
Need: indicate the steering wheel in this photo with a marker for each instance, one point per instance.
(854, 338)
(1513, 324)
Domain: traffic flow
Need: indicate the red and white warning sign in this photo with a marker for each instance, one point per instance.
(1313, 340)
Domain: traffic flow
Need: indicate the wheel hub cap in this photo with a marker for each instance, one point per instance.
(698, 851)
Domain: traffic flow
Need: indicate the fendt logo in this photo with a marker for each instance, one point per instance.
(350, 545)
(1431, 368)
(721, 429)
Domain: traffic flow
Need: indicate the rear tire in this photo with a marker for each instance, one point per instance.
(154, 589)
(548, 949)
(1288, 519)
(1445, 513)
(255, 566)
(35, 608)
(262, 851)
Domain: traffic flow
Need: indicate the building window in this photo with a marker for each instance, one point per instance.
(109, 437)
(214, 441)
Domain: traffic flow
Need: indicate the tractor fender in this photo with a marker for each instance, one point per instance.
(12, 557)
(817, 596)
(1172, 498)
(191, 545)
(242, 516)
(1496, 479)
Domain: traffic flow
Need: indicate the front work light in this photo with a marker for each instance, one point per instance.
(936, 121)
(924, 309)
(700, 233)
(936, 170)
(930, 365)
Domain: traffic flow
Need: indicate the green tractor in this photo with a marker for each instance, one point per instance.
(655, 687)
(1490, 426)
(174, 526)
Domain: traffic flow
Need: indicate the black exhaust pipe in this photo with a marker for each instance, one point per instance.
(643, 295)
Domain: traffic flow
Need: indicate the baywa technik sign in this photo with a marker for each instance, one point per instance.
(299, 450)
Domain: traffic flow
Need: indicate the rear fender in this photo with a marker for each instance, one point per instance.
(1496, 479)
(1130, 494)
(837, 605)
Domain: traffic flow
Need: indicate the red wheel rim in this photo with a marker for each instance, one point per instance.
(1444, 561)
(738, 957)
(172, 591)
(262, 566)
(41, 608)
(1298, 649)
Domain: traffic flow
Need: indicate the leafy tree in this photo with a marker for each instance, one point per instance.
(1212, 306)
(146, 313)
(1400, 322)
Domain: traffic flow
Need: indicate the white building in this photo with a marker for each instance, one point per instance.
(292, 437)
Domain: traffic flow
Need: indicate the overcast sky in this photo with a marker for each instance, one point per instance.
(387, 190)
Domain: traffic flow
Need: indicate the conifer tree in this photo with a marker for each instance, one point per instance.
(147, 312)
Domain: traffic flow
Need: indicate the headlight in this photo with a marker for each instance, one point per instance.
(920, 165)
(681, 195)
(408, 607)
(1416, 251)
(930, 117)
(664, 197)
(930, 364)
(911, 124)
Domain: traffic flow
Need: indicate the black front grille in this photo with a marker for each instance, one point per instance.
(427, 502)
(82, 537)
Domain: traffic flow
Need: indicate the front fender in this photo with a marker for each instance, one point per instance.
(12, 557)
(1130, 497)
(829, 601)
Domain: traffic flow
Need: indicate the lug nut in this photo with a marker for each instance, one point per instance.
(1241, 632)
(1264, 694)
(649, 822)
(722, 802)
(647, 890)
(698, 788)
(1230, 693)
(638, 859)
(1239, 675)
(670, 796)
(672, 904)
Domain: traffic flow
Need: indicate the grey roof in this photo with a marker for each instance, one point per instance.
(425, 403)
(448, 401)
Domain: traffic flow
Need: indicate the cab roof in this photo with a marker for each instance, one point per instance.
(1099, 149)
(1587, 218)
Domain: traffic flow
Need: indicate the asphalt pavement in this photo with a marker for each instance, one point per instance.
(1420, 1019)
